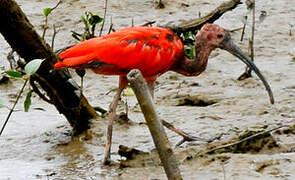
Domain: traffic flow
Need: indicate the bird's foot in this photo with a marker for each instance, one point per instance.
(186, 136)
(189, 138)
(106, 161)
(245, 75)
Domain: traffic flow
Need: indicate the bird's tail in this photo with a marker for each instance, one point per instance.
(59, 64)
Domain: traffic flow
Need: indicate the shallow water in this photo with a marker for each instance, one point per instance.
(38, 144)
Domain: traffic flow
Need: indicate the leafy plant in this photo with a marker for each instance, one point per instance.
(30, 69)
(47, 11)
(90, 21)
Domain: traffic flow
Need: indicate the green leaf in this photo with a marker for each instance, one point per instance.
(28, 101)
(189, 52)
(15, 74)
(95, 19)
(33, 66)
(84, 20)
(76, 35)
(47, 11)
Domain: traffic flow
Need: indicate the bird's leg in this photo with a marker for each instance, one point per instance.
(186, 136)
(112, 114)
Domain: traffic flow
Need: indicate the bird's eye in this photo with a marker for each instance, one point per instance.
(220, 36)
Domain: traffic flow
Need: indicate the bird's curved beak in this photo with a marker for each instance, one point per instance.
(229, 46)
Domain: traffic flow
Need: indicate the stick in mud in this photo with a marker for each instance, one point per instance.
(155, 126)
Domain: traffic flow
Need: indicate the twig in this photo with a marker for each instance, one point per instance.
(56, 5)
(186, 137)
(244, 27)
(41, 79)
(160, 138)
(132, 22)
(237, 29)
(251, 43)
(247, 73)
(45, 27)
(110, 29)
(100, 109)
(37, 91)
(104, 16)
(53, 37)
(290, 30)
(111, 26)
(11, 110)
(149, 23)
(223, 170)
(11, 60)
(245, 139)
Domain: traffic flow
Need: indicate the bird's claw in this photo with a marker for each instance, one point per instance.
(189, 138)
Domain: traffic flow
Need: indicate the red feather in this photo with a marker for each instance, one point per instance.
(152, 50)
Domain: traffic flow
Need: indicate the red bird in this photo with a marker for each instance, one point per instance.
(152, 50)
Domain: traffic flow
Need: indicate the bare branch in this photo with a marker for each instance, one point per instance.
(53, 37)
(245, 139)
(196, 24)
(104, 16)
(38, 92)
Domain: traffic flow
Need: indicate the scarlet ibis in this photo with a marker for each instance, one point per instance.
(152, 50)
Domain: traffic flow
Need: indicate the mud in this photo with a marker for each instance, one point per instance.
(38, 144)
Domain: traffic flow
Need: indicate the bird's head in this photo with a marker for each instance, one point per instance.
(214, 36)
(211, 35)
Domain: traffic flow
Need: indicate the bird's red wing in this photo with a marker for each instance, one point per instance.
(149, 49)
(81, 53)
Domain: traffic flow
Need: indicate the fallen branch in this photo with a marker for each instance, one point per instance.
(227, 146)
(196, 24)
(156, 128)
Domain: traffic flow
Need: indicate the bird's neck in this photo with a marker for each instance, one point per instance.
(194, 67)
